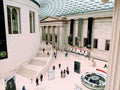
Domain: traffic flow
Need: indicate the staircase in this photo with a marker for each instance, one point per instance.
(37, 64)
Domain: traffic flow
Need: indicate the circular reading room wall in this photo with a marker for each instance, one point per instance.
(94, 81)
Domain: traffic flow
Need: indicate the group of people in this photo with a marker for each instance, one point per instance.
(47, 52)
(64, 72)
(37, 80)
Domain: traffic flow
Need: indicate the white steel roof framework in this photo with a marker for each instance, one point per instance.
(70, 7)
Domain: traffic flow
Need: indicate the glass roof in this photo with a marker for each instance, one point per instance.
(70, 7)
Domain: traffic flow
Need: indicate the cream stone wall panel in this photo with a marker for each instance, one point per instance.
(21, 47)
(91, 14)
(100, 54)
(50, 19)
(68, 28)
(102, 32)
(102, 28)
(50, 23)
(41, 33)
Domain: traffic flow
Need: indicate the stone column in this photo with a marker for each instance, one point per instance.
(43, 33)
(61, 38)
(80, 32)
(48, 34)
(51, 32)
(113, 75)
(45, 28)
(53, 37)
(56, 32)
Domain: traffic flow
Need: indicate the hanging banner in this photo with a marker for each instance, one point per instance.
(3, 43)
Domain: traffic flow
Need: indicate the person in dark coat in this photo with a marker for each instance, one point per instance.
(23, 88)
(61, 73)
(67, 70)
(41, 77)
(43, 50)
(37, 81)
(64, 73)
(59, 65)
(105, 66)
(48, 53)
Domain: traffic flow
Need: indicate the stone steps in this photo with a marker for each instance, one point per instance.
(31, 69)
(38, 62)
(28, 73)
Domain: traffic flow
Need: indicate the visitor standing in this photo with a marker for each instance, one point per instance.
(37, 81)
(64, 73)
(61, 73)
(67, 70)
(59, 65)
(105, 66)
(41, 77)
(43, 50)
(23, 88)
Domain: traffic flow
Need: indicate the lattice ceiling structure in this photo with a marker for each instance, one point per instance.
(70, 7)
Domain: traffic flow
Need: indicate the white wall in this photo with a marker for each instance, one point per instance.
(21, 47)
(102, 30)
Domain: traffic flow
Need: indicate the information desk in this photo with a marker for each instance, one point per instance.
(94, 81)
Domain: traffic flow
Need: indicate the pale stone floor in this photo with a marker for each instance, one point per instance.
(58, 83)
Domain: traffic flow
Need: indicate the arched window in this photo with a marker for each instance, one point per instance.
(30, 15)
(9, 20)
(13, 20)
(32, 22)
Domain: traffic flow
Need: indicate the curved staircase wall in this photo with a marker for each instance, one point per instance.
(20, 47)
(47, 65)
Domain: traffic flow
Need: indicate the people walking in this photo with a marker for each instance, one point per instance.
(31, 80)
(37, 81)
(61, 73)
(64, 73)
(43, 50)
(41, 77)
(67, 70)
(105, 66)
(54, 54)
(48, 53)
(59, 65)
